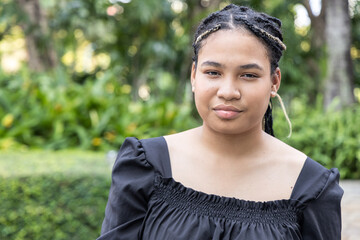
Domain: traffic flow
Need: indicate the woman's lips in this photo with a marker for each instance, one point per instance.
(226, 111)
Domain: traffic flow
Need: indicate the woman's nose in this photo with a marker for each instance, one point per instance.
(228, 90)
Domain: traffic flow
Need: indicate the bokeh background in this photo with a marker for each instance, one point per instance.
(79, 76)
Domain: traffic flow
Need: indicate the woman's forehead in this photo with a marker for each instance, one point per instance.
(233, 45)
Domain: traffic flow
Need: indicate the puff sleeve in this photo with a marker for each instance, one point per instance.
(322, 215)
(131, 187)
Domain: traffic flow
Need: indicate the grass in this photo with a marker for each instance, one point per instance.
(43, 162)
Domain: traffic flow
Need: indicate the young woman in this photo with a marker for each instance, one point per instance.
(229, 178)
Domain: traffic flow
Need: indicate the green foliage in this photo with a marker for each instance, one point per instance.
(331, 138)
(355, 34)
(52, 207)
(51, 111)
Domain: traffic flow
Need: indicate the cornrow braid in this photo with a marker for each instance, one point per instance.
(263, 26)
(266, 28)
(268, 35)
(207, 32)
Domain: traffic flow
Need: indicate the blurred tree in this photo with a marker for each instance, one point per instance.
(42, 55)
(340, 73)
(317, 23)
(332, 28)
(355, 35)
(317, 48)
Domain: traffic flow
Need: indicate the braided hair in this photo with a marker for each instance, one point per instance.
(266, 28)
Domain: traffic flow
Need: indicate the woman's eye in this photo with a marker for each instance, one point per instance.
(212, 73)
(249, 75)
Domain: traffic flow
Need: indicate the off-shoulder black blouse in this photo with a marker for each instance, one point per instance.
(145, 202)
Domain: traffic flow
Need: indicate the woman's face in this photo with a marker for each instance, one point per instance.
(232, 82)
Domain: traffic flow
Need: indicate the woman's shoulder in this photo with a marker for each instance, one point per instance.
(157, 154)
(146, 146)
(295, 157)
(313, 179)
(316, 181)
(179, 143)
(151, 153)
(181, 136)
(286, 155)
(156, 151)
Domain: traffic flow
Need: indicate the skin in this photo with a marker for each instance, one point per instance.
(230, 155)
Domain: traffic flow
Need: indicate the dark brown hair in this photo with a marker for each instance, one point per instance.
(263, 26)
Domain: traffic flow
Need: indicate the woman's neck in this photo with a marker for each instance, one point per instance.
(244, 144)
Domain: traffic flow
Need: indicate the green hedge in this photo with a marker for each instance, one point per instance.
(52, 207)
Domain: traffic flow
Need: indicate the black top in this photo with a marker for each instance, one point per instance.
(145, 202)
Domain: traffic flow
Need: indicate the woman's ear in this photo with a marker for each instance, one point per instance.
(193, 75)
(276, 80)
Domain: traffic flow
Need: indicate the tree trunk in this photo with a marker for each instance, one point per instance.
(40, 50)
(340, 74)
(317, 24)
(317, 43)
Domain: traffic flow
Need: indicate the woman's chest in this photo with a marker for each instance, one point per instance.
(176, 212)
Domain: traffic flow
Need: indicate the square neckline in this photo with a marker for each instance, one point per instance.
(170, 176)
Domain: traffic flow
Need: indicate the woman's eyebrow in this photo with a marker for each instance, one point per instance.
(250, 66)
(219, 65)
(212, 64)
